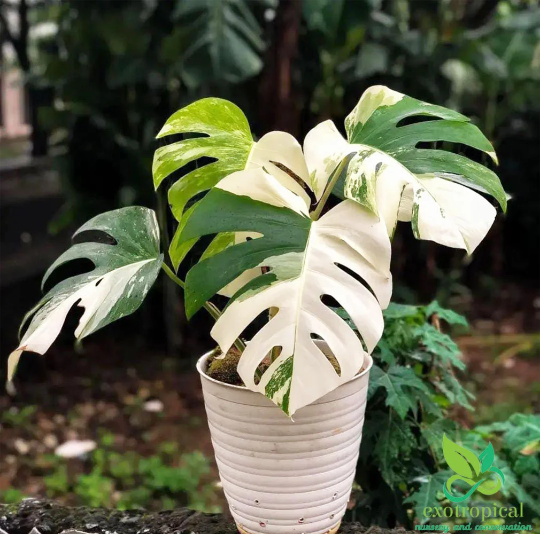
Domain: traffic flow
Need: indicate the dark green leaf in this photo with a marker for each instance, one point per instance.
(440, 345)
(283, 231)
(376, 122)
(450, 316)
(428, 493)
(401, 385)
(226, 41)
(394, 443)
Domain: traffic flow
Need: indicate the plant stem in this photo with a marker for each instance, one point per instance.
(212, 309)
(316, 213)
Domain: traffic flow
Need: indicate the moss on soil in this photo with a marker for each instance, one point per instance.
(224, 369)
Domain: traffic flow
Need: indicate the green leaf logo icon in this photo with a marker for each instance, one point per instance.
(461, 460)
(486, 457)
(475, 472)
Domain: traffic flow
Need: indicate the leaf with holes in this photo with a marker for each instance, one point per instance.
(122, 276)
(393, 178)
(303, 259)
(228, 141)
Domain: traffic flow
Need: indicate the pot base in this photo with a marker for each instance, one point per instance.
(333, 530)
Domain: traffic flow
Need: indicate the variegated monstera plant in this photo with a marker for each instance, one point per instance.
(276, 249)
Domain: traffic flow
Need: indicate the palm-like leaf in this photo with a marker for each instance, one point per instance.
(224, 34)
(398, 181)
(303, 258)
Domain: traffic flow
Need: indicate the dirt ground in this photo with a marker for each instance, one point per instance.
(72, 400)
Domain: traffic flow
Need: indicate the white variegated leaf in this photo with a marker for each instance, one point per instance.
(382, 184)
(302, 260)
(122, 276)
(388, 173)
(279, 153)
(285, 191)
(349, 236)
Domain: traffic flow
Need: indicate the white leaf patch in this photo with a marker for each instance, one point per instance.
(278, 150)
(272, 155)
(97, 297)
(349, 236)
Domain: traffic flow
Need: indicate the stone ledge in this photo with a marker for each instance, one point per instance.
(35, 516)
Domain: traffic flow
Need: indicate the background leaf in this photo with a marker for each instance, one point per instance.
(226, 40)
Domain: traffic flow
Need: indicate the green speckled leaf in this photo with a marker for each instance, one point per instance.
(227, 140)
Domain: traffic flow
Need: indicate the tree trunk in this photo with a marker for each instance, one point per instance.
(279, 107)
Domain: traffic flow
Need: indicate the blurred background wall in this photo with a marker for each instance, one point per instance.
(86, 85)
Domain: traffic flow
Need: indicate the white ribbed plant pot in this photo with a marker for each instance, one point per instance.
(280, 476)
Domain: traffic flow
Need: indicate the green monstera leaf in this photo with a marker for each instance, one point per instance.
(122, 276)
(389, 175)
(227, 140)
(301, 260)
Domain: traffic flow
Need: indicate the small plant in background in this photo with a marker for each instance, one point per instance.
(127, 480)
(18, 417)
(11, 496)
(414, 388)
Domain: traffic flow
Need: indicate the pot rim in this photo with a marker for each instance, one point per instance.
(367, 365)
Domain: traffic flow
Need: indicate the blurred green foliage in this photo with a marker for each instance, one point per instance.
(11, 496)
(127, 480)
(21, 418)
(117, 70)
